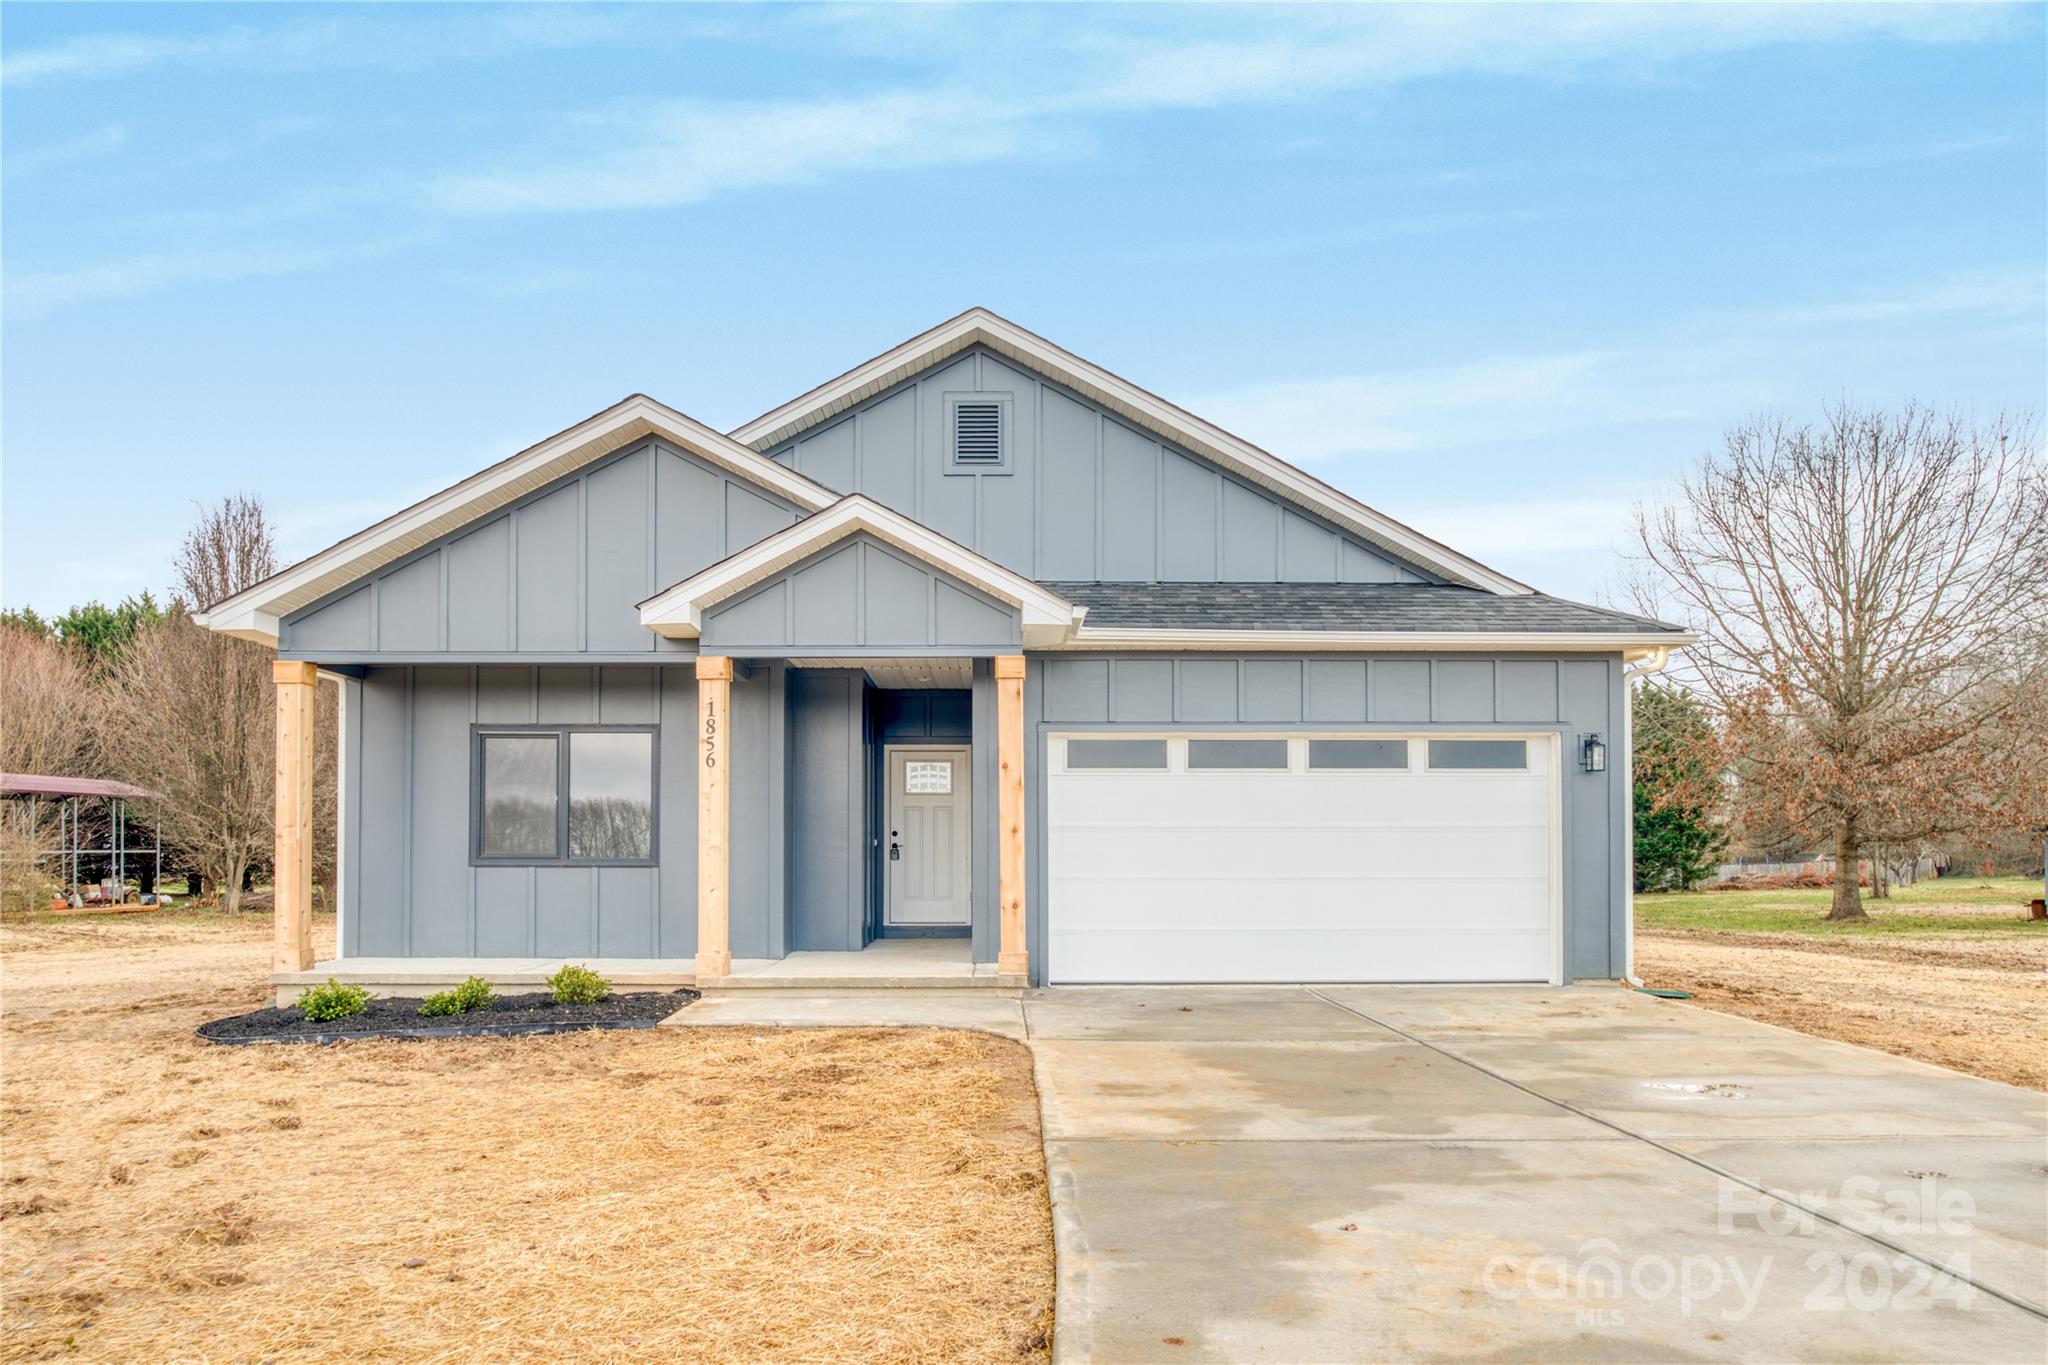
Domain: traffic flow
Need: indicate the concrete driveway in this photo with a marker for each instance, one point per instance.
(1371, 1173)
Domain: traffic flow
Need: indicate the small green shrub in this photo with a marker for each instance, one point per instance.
(473, 994)
(333, 1001)
(574, 985)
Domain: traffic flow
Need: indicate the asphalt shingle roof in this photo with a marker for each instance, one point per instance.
(1339, 606)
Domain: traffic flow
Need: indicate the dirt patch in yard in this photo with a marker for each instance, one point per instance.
(707, 1194)
(1961, 1003)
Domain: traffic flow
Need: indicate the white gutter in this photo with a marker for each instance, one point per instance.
(1653, 662)
(1653, 649)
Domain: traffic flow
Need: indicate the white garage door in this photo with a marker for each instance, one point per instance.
(1303, 858)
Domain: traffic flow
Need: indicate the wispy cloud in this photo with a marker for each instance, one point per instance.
(523, 282)
(1324, 51)
(1404, 410)
(365, 36)
(1979, 291)
(101, 56)
(1717, 362)
(1939, 149)
(101, 142)
(688, 151)
(1529, 526)
(34, 296)
(627, 156)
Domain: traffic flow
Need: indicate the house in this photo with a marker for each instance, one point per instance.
(976, 645)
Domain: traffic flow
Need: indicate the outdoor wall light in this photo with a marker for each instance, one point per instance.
(1593, 754)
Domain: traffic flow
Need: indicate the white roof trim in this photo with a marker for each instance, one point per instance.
(1635, 644)
(978, 326)
(254, 613)
(678, 612)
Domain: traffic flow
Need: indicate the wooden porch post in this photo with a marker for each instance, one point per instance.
(714, 810)
(1013, 957)
(292, 884)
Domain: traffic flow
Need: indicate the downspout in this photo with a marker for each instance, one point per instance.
(1652, 662)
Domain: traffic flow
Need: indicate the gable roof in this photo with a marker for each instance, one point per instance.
(254, 613)
(980, 327)
(678, 611)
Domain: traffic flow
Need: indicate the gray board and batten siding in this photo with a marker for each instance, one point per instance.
(1571, 695)
(861, 596)
(803, 785)
(560, 572)
(1080, 494)
(410, 887)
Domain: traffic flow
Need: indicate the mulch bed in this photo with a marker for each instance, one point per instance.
(400, 1017)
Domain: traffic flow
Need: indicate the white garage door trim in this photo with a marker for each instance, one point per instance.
(1547, 743)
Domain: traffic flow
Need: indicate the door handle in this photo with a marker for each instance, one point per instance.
(895, 851)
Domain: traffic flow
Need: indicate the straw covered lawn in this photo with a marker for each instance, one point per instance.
(659, 1194)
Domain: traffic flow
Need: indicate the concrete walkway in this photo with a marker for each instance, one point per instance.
(1372, 1173)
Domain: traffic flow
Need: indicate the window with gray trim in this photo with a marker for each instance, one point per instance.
(1238, 754)
(554, 795)
(1478, 753)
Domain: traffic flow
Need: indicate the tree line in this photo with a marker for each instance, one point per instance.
(140, 693)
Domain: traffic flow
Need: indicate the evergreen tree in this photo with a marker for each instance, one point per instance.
(99, 633)
(1677, 791)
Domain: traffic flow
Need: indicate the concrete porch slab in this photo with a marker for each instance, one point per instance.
(984, 1011)
(890, 964)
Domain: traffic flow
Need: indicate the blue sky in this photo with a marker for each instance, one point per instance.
(1499, 273)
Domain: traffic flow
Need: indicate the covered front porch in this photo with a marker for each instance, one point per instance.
(912, 847)
(846, 741)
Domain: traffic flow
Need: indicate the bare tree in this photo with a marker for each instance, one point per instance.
(326, 783)
(191, 714)
(46, 712)
(45, 705)
(1870, 596)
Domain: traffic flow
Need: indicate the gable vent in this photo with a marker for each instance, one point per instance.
(978, 433)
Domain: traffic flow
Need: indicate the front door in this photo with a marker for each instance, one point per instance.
(926, 852)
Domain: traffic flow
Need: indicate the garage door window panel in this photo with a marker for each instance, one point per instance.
(1237, 755)
(1358, 755)
(1490, 755)
(1116, 755)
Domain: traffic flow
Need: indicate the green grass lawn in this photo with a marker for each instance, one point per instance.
(1947, 905)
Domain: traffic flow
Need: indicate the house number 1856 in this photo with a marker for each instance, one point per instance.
(710, 734)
